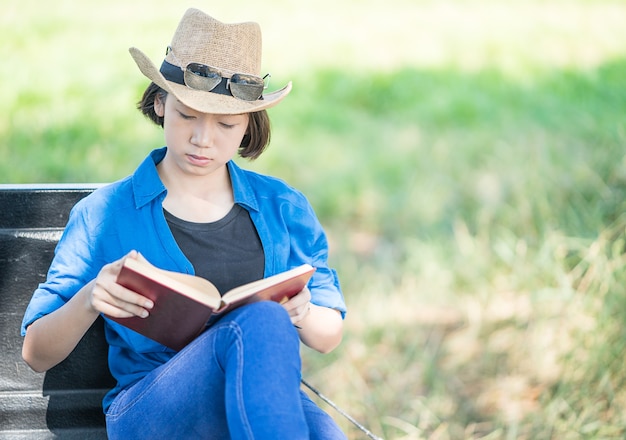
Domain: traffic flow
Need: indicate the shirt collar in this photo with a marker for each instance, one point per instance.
(147, 184)
(243, 191)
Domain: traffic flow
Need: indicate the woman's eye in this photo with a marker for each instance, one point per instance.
(225, 125)
(184, 116)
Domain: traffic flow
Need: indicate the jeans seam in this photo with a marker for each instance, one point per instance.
(239, 380)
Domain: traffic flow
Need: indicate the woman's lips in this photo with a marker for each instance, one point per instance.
(198, 160)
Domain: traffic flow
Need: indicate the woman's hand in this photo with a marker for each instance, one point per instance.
(112, 299)
(51, 338)
(299, 306)
(319, 327)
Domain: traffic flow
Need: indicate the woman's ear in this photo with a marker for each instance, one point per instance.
(159, 105)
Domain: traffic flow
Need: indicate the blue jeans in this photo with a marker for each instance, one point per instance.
(240, 379)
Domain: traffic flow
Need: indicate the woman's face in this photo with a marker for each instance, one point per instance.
(199, 143)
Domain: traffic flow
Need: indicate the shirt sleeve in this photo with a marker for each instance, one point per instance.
(310, 244)
(70, 270)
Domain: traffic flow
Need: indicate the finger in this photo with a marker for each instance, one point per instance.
(116, 312)
(116, 300)
(298, 300)
(139, 256)
(300, 314)
(120, 302)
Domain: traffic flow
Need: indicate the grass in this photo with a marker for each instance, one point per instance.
(467, 158)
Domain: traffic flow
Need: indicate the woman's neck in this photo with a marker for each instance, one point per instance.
(199, 199)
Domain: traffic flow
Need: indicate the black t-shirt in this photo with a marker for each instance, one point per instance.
(227, 252)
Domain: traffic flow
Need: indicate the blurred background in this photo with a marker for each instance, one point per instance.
(466, 157)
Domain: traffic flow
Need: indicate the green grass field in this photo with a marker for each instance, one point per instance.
(467, 158)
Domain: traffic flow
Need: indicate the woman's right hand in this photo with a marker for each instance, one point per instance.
(112, 299)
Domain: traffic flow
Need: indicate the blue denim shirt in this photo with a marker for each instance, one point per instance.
(128, 214)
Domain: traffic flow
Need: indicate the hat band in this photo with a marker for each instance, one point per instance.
(175, 74)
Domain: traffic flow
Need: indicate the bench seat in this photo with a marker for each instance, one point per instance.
(66, 401)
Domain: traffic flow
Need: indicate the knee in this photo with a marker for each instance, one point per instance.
(266, 317)
(267, 313)
(257, 331)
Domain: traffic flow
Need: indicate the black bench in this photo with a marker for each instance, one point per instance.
(66, 401)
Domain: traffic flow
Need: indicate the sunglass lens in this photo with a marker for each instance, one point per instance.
(204, 70)
(202, 77)
(246, 87)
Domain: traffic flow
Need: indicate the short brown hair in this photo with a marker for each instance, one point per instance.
(254, 142)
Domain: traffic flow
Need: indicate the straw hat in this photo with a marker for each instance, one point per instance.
(232, 48)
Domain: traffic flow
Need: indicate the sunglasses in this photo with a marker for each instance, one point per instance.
(206, 78)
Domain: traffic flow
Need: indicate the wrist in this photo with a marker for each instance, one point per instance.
(300, 323)
(87, 294)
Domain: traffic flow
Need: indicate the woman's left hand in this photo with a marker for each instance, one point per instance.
(318, 327)
(299, 306)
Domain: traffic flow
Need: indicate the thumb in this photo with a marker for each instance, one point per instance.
(139, 256)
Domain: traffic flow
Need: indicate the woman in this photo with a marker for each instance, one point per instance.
(188, 207)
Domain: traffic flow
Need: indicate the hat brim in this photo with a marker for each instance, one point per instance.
(206, 102)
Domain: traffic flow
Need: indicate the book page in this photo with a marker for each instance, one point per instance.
(285, 282)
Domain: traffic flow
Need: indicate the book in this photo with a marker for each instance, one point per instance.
(183, 303)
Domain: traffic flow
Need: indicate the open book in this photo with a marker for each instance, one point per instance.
(184, 303)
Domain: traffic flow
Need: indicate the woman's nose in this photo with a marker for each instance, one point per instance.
(202, 134)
